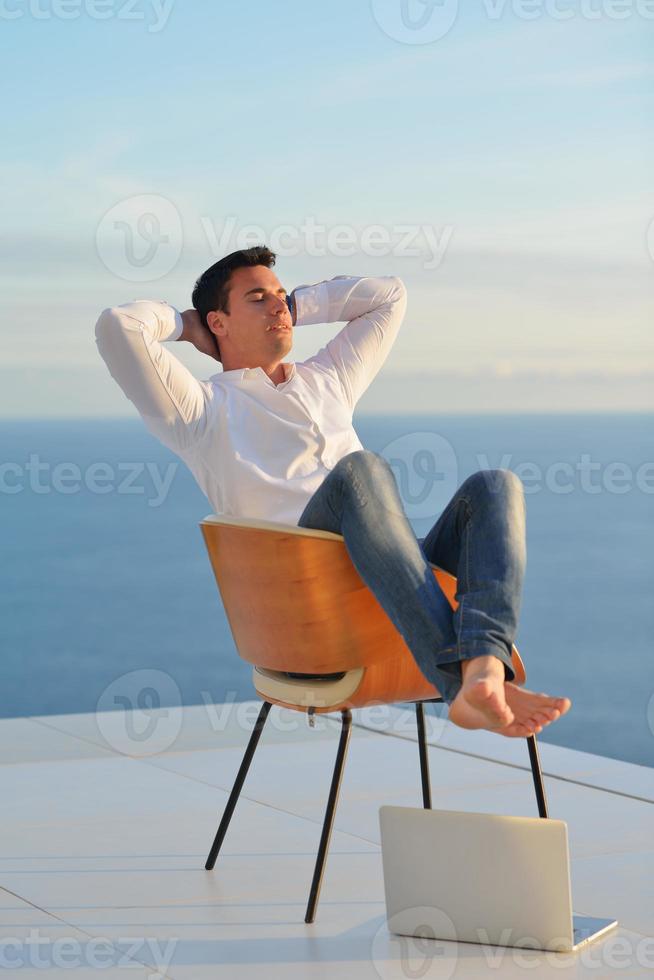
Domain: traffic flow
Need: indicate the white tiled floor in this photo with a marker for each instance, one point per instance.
(98, 846)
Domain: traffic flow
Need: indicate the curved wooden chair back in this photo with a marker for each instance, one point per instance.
(295, 602)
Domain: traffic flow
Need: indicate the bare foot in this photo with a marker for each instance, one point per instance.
(487, 701)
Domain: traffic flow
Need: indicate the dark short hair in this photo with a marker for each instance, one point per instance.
(211, 291)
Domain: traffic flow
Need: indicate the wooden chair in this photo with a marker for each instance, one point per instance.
(295, 603)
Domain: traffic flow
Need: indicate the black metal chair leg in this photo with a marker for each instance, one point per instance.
(538, 776)
(424, 760)
(346, 727)
(238, 784)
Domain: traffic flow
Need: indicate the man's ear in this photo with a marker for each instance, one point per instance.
(216, 323)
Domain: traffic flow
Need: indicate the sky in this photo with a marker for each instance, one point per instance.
(498, 156)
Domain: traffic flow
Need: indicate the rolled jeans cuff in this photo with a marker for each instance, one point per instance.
(448, 666)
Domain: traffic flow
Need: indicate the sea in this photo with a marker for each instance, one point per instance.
(105, 575)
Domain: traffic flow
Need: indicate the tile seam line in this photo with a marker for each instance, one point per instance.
(111, 752)
(224, 789)
(271, 806)
(509, 765)
(71, 925)
(148, 761)
(407, 738)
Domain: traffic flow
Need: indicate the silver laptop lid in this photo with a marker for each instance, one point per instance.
(477, 877)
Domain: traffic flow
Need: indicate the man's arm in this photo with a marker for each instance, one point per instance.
(171, 401)
(374, 307)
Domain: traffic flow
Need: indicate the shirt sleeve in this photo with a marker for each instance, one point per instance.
(171, 401)
(374, 308)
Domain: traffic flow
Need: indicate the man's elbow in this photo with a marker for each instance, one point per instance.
(112, 332)
(108, 321)
(114, 322)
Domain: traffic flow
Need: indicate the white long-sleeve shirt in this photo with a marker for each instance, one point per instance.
(258, 449)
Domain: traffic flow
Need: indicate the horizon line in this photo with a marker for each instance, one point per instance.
(369, 414)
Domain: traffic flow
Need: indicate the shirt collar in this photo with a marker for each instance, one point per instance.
(256, 373)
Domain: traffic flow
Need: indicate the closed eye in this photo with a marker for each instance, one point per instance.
(280, 292)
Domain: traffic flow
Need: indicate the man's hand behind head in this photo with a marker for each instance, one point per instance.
(197, 334)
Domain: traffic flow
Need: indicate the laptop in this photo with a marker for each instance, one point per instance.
(481, 878)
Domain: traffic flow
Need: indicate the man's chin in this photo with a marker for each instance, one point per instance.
(283, 341)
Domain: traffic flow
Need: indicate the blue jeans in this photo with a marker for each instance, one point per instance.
(480, 538)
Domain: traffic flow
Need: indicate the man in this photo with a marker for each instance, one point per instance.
(273, 439)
